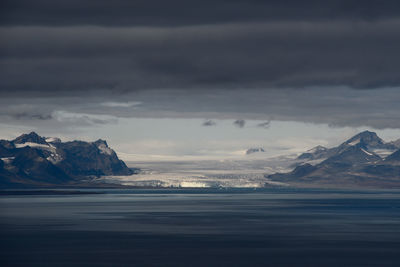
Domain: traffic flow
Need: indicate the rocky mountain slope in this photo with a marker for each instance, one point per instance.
(34, 160)
(358, 161)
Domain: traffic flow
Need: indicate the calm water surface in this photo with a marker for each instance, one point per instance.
(271, 227)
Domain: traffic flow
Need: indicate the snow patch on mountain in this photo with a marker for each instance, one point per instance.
(7, 160)
(383, 153)
(355, 142)
(54, 157)
(30, 144)
(366, 152)
(104, 149)
(53, 140)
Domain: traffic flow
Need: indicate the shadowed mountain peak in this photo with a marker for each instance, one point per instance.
(354, 162)
(32, 137)
(30, 160)
(366, 138)
(101, 142)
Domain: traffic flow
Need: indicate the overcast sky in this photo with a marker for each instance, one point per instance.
(202, 78)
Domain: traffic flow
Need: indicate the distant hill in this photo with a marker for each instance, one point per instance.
(254, 150)
(370, 141)
(353, 163)
(32, 160)
(314, 153)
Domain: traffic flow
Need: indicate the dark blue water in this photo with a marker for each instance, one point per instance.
(271, 227)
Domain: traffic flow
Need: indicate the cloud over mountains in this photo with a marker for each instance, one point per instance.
(330, 62)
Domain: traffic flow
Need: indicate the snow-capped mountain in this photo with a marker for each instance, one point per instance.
(368, 141)
(32, 159)
(32, 138)
(354, 162)
(371, 142)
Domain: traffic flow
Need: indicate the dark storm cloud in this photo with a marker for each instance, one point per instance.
(288, 54)
(27, 116)
(336, 107)
(209, 123)
(285, 60)
(264, 125)
(67, 47)
(239, 123)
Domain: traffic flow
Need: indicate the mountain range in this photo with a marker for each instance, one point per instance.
(363, 160)
(32, 160)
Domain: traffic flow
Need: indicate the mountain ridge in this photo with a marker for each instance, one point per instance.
(353, 162)
(29, 160)
(368, 140)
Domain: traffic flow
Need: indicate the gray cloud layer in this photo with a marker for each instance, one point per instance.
(287, 60)
(285, 54)
(336, 107)
(62, 47)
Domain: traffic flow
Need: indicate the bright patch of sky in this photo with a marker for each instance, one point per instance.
(162, 139)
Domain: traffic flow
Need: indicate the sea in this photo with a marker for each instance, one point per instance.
(200, 227)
